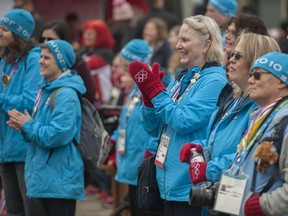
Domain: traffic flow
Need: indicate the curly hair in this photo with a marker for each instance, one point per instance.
(248, 23)
(17, 49)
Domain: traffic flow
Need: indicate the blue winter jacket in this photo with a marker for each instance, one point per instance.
(187, 119)
(274, 201)
(19, 94)
(225, 135)
(54, 167)
(137, 141)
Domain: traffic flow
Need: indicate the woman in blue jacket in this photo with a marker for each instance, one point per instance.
(54, 167)
(228, 125)
(262, 153)
(181, 112)
(18, 88)
(131, 139)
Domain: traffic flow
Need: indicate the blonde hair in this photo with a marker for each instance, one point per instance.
(207, 29)
(254, 46)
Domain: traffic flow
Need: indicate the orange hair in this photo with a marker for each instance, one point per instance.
(104, 37)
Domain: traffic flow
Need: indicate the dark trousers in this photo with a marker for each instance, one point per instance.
(17, 203)
(59, 207)
(172, 208)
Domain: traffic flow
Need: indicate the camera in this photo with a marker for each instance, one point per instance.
(205, 197)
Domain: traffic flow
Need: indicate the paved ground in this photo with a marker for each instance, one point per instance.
(91, 207)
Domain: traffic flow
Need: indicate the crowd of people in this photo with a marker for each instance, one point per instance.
(214, 85)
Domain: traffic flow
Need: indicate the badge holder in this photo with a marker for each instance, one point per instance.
(231, 190)
(121, 142)
(162, 150)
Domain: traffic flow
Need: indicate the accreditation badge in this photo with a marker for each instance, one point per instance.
(162, 150)
(231, 190)
(121, 142)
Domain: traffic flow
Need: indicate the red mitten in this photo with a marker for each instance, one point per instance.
(252, 206)
(185, 152)
(146, 100)
(148, 154)
(146, 79)
(197, 171)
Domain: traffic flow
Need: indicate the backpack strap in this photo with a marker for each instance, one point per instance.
(53, 98)
(52, 104)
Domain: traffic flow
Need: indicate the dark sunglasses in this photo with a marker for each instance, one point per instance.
(257, 74)
(42, 39)
(236, 55)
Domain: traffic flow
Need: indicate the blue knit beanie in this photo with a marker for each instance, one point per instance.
(63, 53)
(136, 50)
(275, 63)
(20, 22)
(225, 7)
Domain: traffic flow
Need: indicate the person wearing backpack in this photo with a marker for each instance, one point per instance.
(18, 88)
(261, 160)
(54, 167)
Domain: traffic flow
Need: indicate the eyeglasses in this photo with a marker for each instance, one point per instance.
(257, 74)
(198, 18)
(42, 39)
(236, 55)
(233, 33)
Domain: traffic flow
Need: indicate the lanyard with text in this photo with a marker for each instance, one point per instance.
(37, 102)
(177, 88)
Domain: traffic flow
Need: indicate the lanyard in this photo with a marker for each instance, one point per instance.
(255, 128)
(259, 125)
(37, 102)
(133, 99)
(177, 88)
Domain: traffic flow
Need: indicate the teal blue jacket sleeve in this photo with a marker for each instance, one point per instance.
(195, 113)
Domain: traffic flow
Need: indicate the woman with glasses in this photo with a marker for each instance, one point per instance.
(229, 123)
(262, 152)
(181, 112)
(57, 29)
(237, 24)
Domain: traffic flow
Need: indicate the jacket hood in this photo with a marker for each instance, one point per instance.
(69, 79)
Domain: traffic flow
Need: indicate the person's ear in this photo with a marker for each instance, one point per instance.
(282, 85)
(207, 45)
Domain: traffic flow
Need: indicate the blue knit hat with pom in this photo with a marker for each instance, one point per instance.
(136, 50)
(225, 7)
(62, 52)
(275, 63)
(20, 22)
